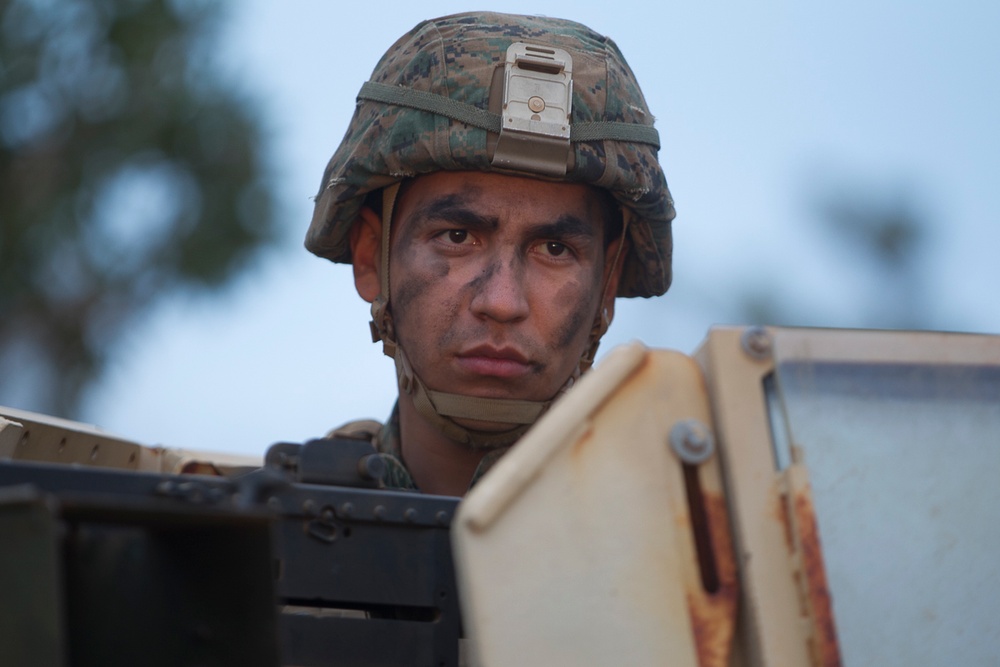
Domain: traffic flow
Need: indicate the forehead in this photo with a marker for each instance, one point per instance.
(507, 198)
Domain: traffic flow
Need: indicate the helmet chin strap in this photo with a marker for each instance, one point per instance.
(443, 409)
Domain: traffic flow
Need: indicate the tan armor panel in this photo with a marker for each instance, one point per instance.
(857, 472)
(29, 436)
(578, 548)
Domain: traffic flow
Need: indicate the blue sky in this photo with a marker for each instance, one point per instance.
(759, 107)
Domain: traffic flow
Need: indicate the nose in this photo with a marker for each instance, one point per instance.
(500, 293)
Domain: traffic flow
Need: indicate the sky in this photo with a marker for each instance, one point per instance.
(763, 109)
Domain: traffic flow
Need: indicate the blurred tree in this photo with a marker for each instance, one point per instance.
(129, 169)
(888, 234)
(875, 235)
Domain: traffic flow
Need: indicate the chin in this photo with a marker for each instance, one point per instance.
(485, 426)
(504, 392)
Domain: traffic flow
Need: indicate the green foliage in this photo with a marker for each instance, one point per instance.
(129, 169)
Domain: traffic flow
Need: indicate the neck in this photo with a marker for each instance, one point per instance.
(438, 464)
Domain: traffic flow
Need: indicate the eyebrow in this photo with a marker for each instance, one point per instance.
(454, 208)
(566, 226)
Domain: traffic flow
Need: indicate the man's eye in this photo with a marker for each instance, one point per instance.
(457, 236)
(554, 249)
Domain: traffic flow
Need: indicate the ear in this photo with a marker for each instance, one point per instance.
(614, 262)
(366, 256)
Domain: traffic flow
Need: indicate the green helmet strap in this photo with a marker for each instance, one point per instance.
(491, 122)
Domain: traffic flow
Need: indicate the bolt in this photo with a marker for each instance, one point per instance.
(441, 517)
(756, 343)
(379, 512)
(347, 509)
(536, 104)
(288, 462)
(692, 441)
(309, 507)
(371, 467)
(410, 514)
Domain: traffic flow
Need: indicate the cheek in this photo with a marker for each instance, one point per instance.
(575, 322)
(419, 293)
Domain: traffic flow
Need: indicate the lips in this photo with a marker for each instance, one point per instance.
(505, 362)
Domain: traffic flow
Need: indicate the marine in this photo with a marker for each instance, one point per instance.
(497, 188)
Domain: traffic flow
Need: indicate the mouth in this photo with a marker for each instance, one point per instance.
(503, 362)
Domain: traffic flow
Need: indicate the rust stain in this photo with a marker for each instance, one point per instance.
(200, 468)
(782, 513)
(825, 649)
(713, 613)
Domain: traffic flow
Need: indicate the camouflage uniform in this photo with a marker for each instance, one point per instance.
(386, 441)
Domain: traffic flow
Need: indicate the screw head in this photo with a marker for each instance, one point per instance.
(692, 441)
(756, 342)
(371, 467)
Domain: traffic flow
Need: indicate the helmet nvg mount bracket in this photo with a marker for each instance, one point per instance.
(537, 101)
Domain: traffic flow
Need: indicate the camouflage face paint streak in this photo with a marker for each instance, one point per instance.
(576, 319)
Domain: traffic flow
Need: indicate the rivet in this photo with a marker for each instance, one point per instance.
(756, 342)
(692, 441)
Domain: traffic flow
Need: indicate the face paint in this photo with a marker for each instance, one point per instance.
(496, 282)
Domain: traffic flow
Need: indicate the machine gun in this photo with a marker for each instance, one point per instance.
(298, 562)
(781, 497)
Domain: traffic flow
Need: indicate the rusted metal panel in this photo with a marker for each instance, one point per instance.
(605, 508)
(892, 426)
(713, 612)
(808, 557)
(826, 651)
(776, 625)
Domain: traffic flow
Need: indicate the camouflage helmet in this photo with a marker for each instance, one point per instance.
(434, 103)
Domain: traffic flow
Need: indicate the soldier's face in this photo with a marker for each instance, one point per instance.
(495, 281)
